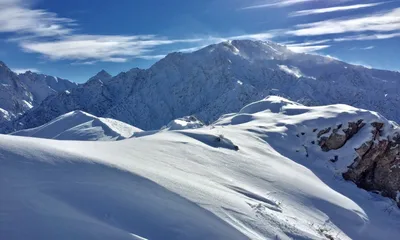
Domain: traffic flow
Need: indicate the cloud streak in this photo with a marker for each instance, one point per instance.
(43, 32)
(282, 3)
(304, 48)
(104, 48)
(16, 18)
(333, 9)
(379, 22)
(364, 37)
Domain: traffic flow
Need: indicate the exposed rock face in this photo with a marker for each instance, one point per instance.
(338, 138)
(377, 166)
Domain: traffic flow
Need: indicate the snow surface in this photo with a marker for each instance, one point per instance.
(78, 125)
(187, 122)
(194, 183)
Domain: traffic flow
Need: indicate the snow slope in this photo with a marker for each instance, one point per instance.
(193, 183)
(222, 78)
(78, 125)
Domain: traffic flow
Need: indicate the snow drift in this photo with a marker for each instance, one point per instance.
(78, 125)
(194, 183)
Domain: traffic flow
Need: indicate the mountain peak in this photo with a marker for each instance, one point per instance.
(102, 76)
(3, 66)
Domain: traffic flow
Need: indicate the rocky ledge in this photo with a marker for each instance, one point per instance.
(377, 163)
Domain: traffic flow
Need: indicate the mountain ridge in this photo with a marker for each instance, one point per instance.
(222, 78)
(21, 92)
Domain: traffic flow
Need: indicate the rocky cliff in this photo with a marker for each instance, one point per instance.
(377, 163)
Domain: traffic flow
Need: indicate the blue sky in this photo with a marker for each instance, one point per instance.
(75, 39)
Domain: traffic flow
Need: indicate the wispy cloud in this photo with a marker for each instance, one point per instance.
(105, 48)
(379, 22)
(256, 36)
(309, 46)
(15, 17)
(363, 48)
(282, 3)
(364, 37)
(43, 32)
(152, 57)
(307, 49)
(333, 9)
(24, 70)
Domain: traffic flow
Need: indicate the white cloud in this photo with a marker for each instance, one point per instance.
(33, 27)
(379, 22)
(333, 9)
(191, 49)
(256, 36)
(282, 3)
(151, 57)
(15, 17)
(368, 48)
(309, 43)
(307, 49)
(105, 48)
(23, 70)
(362, 48)
(368, 37)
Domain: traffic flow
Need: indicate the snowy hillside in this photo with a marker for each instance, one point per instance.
(20, 93)
(78, 125)
(260, 173)
(222, 78)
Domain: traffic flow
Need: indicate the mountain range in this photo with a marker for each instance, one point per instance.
(242, 140)
(217, 79)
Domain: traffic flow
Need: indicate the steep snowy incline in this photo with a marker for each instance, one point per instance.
(78, 125)
(241, 178)
(222, 78)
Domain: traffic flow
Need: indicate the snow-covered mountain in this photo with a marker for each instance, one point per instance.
(41, 86)
(222, 78)
(78, 125)
(20, 93)
(273, 170)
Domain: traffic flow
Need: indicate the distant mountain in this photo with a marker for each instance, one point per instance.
(78, 125)
(20, 93)
(41, 86)
(222, 78)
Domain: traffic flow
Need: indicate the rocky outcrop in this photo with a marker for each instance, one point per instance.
(377, 165)
(339, 136)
